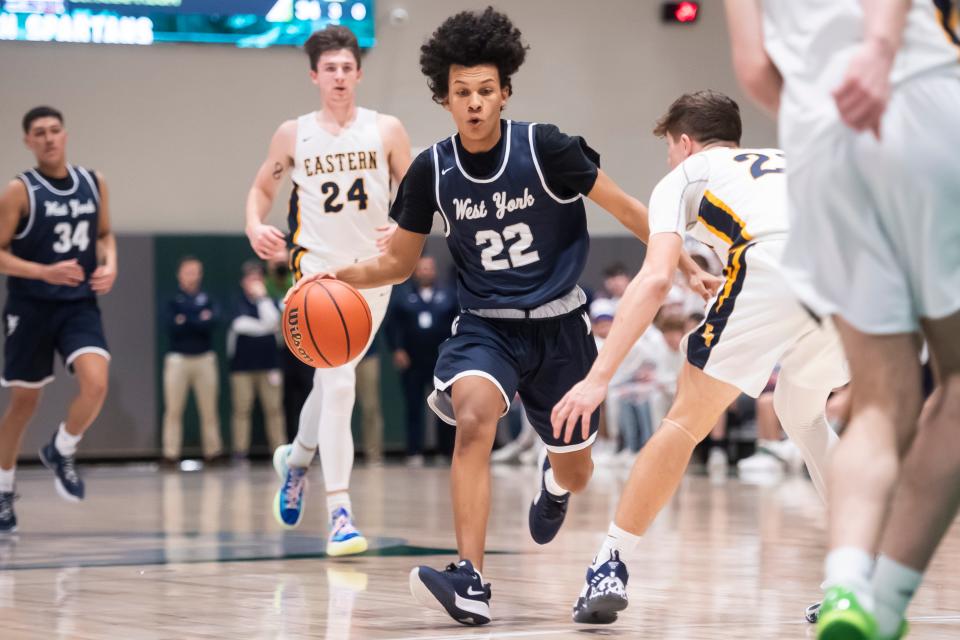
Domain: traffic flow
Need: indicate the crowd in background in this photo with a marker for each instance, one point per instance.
(422, 312)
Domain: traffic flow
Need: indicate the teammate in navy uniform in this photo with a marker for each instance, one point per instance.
(58, 252)
(510, 195)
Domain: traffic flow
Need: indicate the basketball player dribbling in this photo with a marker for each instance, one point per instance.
(59, 254)
(511, 198)
(343, 159)
(867, 94)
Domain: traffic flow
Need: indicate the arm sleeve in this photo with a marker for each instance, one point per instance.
(568, 163)
(676, 197)
(416, 203)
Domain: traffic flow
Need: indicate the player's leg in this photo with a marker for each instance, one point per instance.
(242, 385)
(927, 497)
(23, 405)
(865, 466)
(291, 461)
(654, 478)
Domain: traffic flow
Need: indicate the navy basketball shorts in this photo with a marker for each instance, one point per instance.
(538, 359)
(36, 329)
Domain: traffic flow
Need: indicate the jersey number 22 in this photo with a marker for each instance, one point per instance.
(518, 254)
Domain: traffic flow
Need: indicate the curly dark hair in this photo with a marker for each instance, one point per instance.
(472, 38)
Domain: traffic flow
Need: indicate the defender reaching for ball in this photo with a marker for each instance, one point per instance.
(511, 198)
(343, 159)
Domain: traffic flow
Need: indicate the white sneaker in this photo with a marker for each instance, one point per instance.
(763, 461)
(415, 461)
(789, 454)
(508, 453)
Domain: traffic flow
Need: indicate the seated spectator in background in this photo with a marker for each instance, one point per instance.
(368, 399)
(190, 319)
(420, 318)
(252, 340)
(615, 281)
(297, 375)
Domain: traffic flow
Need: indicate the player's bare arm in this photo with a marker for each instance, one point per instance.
(14, 205)
(754, 69)
(863, 95)
(104, 276)
(634, 215)
(635, 313)
(267, 240)
(397, 145)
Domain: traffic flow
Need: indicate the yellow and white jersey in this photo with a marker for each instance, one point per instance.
(811, 42)
(341, 192)
(723, 197)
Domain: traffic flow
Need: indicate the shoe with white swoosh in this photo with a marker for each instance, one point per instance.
(459, 590)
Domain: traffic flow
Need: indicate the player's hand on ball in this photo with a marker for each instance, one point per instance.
(102, 279)
(65, 272)
(577, 406)
(304, 281)
(386, 231)
(266, 240)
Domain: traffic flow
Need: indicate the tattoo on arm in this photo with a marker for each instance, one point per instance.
(277, 171)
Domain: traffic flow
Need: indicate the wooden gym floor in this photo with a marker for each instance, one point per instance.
(197, 555)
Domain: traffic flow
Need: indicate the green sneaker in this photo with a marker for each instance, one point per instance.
(842, 617)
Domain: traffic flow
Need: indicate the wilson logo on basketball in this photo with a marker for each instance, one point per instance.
(327, 323)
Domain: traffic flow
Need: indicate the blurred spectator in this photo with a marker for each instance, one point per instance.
(420, 318)
(254, 361)
(368, 398)
(297, 375)
(616, 278)
(190, 319)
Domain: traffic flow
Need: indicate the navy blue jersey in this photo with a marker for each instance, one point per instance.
(516, 243)
(62, 224)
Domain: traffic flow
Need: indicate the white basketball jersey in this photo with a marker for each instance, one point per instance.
(811, 43)
(341, 191)
(724, 198)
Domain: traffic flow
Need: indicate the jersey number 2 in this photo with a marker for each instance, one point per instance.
(494, 242)
(71, 237)
(356, 193)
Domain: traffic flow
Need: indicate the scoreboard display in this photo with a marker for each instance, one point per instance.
(244, 23)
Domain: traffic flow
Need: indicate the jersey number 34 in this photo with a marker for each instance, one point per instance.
(518, 254)
(70, 237)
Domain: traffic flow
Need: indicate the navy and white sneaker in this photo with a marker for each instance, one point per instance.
(459, 590)
(604, 594)
(547, 511)
(68, 481)
(812, 613)
(8, 519)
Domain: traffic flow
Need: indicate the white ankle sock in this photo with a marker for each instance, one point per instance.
(66, 443)
(852, 568)
(300, 455)
(6, 479)
(337, 500)
(619, 540)
(553, 487)
(893, 587)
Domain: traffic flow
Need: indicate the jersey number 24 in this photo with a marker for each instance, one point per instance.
(518, 254)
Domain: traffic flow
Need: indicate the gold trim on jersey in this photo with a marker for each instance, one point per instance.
(720, 220)
(733, 274)
(948, 21)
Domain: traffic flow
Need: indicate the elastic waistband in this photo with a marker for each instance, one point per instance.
(555, 308)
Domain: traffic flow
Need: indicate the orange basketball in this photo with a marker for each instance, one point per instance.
(327, 323)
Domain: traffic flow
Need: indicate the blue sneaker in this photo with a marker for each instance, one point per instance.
(547, 511)
(8, 519)
(604, 594)
(458, 590)
(344, 538)
(68, 481)
(288, 503)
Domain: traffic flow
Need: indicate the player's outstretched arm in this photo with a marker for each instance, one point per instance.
(754, 69)
(103, 277)
(635, 216)
(14, 205)
(635, 313)
(266, 239)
